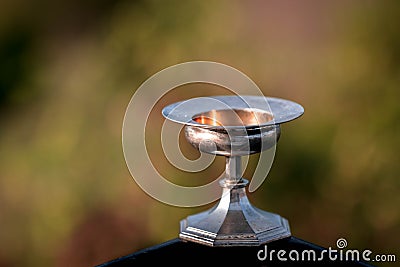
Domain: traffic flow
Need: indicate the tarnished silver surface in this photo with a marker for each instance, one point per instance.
(232, 142)
(233, 126)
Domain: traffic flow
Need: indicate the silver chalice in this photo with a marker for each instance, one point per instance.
(233, 126)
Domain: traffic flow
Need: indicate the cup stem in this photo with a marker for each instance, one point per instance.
(233, 169)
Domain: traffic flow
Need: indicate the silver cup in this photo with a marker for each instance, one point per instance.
(233, 126)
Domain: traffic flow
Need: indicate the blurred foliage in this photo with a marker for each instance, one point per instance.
(69, 68)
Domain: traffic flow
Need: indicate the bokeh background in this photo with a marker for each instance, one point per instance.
(69, 68)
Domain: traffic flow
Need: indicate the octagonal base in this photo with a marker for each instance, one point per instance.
(234, 222)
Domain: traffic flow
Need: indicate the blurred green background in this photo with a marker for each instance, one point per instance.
(69, 68)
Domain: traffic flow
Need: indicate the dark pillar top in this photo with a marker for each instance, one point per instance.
(182, 253)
